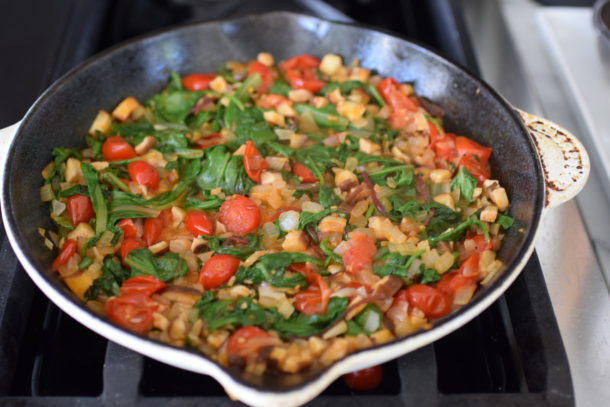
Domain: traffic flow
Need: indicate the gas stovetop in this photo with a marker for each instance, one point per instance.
(512, 354)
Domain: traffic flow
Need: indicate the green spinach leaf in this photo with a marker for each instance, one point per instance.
(165, 268)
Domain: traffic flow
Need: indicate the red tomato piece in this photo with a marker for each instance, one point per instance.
(304, 173)
(152, 230)
(482, 245)
(402, 106)
(359, 255)
(254, 163)
(147, 285)
(144, 174)
(271, 100)
(198, 81)
(248, 340)
(166, 217)
(132, 311)
(199, 223)
(476, 168)
(432, 301)
(265, 74)
(301, 73)
(365, 379)
(470, 266)
(66, 252)
(314, 299)
(129, 228)
(445, 147)
(79, 209)
(453, 282)
(115, 148)
(218, 270)
(129, 245)
(466, 146)
(209, 141)
(240, 215)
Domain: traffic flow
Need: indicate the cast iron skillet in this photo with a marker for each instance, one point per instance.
(62, 115)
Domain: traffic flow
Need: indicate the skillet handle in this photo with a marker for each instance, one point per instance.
(7, 135)
(565, 162)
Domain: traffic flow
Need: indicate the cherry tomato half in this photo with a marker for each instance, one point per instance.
(466, 146)
(152, 230)
(301, 73)
(432, 301)
(239, 214)
(476, 168)
(116, 148)
(218, 270)
(247, 340)
(129, 228)
(129, 245)
(79, 209)
(359, 255)
(304, 173)
(147, 285)
(265, 74)
(402, 106)
(133, 311)
(198, 81)
(254, 163)
(199, 223)
(144, 174)
(365, 379)
(66, 252)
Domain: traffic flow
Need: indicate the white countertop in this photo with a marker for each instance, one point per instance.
(522, 51)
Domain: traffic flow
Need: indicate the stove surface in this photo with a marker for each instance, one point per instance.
(512, 354)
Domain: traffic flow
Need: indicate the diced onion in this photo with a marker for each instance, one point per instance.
(372, 321)
(341, 248)
(283, 134)
(58, 207)
(312, 207)
(270, 231)
(289, 221)
(46, 193)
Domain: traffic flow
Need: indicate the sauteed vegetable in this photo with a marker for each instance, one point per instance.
(275, 217)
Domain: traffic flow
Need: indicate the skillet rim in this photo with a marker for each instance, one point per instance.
(512, 270)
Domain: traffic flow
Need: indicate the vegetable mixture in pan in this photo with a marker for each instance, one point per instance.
(275, 217)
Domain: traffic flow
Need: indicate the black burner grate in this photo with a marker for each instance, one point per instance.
(512, 354)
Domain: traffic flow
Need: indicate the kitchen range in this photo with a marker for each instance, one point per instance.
(513, 353)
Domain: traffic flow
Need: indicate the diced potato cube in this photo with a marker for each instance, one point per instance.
(158, 247)
(285, 109)
(100, 165)
(335, 96)
(319, 102)
(265, 58)
(145, 145)
(345, 179)
(368, 147)
(297, 140)
(360, 74)
(299, 95)
(101, 123)
(330, 64)
(274, 118)
(445, 199)
(385, 229)
(124, 110)
(336, 330)
(440, 175)
(74, 173)
(353, 111)
(331, 223)
(295, 241)
(82, 230)
(219, 84)
(489, 213)
(79, 284)
(443, 262)
(499, 197)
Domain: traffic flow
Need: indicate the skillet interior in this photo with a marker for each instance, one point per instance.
(140, 68)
